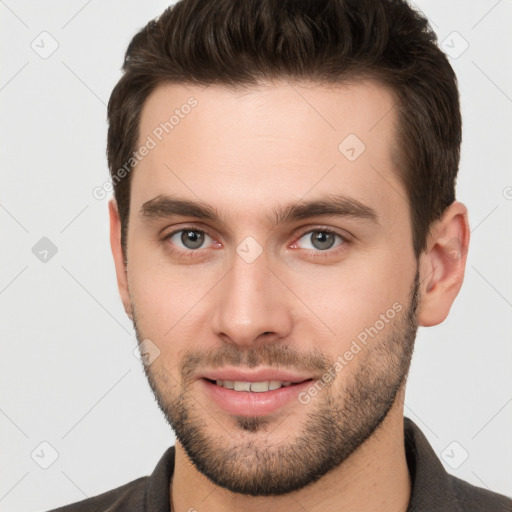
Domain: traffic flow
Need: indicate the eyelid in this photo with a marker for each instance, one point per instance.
(343, 234)
(169, 235)
(346, 239)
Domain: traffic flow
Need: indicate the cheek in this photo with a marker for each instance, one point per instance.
(168, 299)
(353, 296)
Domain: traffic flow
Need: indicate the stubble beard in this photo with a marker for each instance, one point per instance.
(333, 429)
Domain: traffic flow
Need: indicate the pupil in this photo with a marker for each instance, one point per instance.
(325, 240)
(192, 239)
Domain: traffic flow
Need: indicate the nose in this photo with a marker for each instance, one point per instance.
(251, 302)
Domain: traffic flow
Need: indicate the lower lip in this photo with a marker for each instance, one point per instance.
(250, 403)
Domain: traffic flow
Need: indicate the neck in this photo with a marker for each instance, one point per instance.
(375, 478)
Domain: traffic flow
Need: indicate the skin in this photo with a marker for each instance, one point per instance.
(246, 153)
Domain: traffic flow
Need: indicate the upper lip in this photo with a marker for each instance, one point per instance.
(257, 375)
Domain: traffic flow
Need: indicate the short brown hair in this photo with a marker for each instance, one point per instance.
(239, 43)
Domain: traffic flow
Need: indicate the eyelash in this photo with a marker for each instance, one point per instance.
(315, 253)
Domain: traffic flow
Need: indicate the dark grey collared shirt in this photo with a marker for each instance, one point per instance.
(433, 489)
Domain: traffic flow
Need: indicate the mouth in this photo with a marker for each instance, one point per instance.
(254, 386)
(258, 393)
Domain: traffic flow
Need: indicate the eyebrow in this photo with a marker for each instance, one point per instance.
(165, 206)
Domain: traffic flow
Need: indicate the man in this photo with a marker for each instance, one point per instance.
(284, 220)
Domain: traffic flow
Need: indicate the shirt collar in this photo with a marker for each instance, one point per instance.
(158, 498)
(431, 487)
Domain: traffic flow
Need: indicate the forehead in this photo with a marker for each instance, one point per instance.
(249, 150)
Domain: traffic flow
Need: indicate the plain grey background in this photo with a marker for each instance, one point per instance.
(69, 378)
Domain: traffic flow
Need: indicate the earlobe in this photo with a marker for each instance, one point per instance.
(442, 265)
(117, 253)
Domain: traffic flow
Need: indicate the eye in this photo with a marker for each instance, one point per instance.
(190, 239)
(320, 239)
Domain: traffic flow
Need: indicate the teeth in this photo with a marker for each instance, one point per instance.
(242, 386)
(256, 387)
(274, 384)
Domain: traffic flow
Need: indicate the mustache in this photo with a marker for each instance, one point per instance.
(271, 355)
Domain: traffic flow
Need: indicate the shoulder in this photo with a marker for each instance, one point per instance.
(128, 498)
(135, 495)
(436, 489)
(477, 499)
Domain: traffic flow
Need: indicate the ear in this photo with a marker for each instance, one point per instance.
(442, 265)
(117, 252)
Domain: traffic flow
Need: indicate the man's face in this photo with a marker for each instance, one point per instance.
(259, 296)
